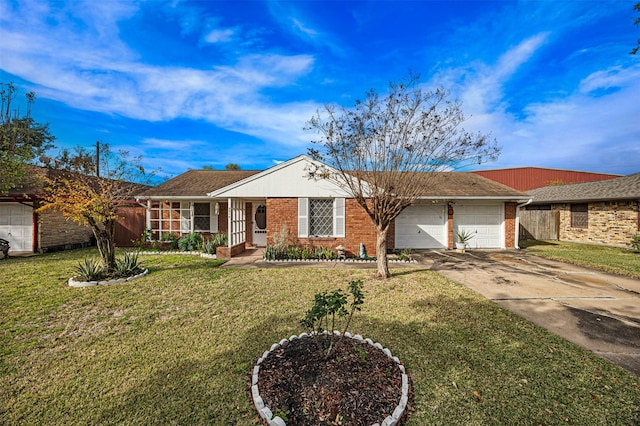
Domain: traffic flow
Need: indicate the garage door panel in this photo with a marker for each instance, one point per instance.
(421, 226)
(16, 226)
(484, 221)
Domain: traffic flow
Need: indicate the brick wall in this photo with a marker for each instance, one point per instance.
(359, 228)
(609, 223)
(55, 232)
(510, 224)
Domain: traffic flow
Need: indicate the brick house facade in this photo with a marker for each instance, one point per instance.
(604, 212)
(289, 201)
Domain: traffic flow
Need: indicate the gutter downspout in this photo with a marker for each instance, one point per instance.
(517, 236)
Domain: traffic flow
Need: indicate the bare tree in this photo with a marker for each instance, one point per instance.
(387, 150)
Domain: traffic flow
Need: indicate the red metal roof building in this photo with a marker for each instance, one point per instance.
(527, 178)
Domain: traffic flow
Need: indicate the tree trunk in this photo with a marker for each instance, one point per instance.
(381, 253)
(106, 243)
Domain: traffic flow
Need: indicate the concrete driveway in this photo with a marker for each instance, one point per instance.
(596, 310)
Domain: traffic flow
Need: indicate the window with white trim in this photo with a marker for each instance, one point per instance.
(201, 217)
(181, 217)
(321, 217)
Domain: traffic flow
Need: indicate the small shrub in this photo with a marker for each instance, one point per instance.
(172, 239)
(143, 241)
(218, 240)
(635, 243)
(405, 255)
(190, 242)
(294, 253)
(273, 252)
(306, 253)
(281, 239)
(90, 269)
(327, 306)
(128, 265)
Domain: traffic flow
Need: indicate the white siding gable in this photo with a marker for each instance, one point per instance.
(286, 180)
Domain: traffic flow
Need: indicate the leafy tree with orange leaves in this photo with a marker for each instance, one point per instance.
(93, 201)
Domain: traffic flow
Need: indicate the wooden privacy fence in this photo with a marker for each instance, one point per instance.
(130, 226)
(539, 225)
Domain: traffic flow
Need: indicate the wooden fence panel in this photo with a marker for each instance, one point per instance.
(539, 225)
(131, 225)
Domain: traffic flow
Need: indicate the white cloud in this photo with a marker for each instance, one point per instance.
(594, 127)
(220, 35)
(82, 62)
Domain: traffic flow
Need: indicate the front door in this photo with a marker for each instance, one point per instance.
(259, 224)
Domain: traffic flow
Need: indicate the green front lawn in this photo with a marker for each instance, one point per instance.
(178, 347)
(622, 261)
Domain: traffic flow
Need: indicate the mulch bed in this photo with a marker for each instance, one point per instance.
(357, 384)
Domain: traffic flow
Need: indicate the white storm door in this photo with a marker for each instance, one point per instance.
(259, 224)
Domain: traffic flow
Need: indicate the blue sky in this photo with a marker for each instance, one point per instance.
(192, 83)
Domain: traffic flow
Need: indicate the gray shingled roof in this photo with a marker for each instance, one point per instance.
(623, 188)
(463, 184)
(197, 183)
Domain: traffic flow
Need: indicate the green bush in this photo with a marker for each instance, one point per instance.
(190, 242)
(635, 243)
(218, 240)
(172, 239)
(326, 306)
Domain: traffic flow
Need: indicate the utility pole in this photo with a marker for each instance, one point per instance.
(97, 158)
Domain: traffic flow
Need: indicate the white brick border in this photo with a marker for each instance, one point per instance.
(267, 415)
(74, 283)
(191, 253)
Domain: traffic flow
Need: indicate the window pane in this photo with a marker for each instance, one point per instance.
(321, 217)
(579, 216)
(201, 216)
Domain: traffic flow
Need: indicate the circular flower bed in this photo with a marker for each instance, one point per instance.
(358, 383)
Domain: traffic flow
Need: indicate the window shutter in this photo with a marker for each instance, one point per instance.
(213, 219)
(303, 217)
(339, 217)
(186, 216)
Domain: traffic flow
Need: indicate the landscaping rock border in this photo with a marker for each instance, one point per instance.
(74, 283)
(336, 260)
(266, 413)
(192, 253)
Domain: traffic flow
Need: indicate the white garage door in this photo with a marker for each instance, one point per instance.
(422, 226)
(483, 220)
(16, 226)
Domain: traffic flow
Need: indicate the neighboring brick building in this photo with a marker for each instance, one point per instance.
(29, 231)
(604, 212)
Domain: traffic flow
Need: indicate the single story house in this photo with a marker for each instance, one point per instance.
(29, 231)
(254, 207)
(604, 212)
(182, 205)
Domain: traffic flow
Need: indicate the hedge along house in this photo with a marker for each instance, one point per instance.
(181, 205)
(319, 213)
(604, 212)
